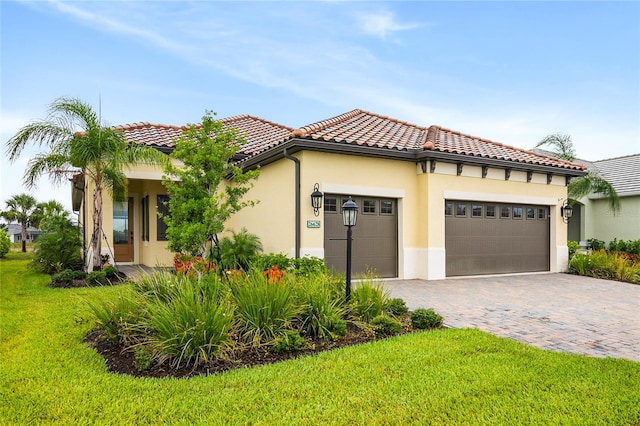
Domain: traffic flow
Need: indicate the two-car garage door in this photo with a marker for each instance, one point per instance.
(493, 238)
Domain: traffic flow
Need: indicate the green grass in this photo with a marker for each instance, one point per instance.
(47, 376)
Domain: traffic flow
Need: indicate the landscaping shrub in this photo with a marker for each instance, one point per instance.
(426, 318)
(59, 247)
(96, 278)
(118, 319)
(368, 299)
(322, 311)
(266, 261)
(595, 244)
(190, 328)
(308, 266)
(237, 251)
(66, 277)
(263, 309)
(606, 265)
(111, 272)
(5, 242)
(573, 247)
(290, 341)
(385, 326)
(396, 307)
(628, 246)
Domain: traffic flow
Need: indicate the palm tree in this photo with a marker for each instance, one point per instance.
(21, 209)
(592, 182)
(77, 141)
(47, 210)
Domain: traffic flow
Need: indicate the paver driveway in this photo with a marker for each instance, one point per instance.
(559, 312)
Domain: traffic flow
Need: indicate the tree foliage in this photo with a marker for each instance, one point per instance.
(592, 183)
(75, 140)
(22, 209)
(206, 189)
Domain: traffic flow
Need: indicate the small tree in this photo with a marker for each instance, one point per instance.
(206, 189)
(562, 147)
(5, 241)
(21, 209)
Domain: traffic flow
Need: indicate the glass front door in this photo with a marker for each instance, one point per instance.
(123, 230)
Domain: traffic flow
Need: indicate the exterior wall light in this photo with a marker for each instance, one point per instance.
(566, 211)
(316, 199)
(349, 219)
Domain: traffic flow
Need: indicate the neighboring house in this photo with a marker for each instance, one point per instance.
(14, 230)
(592, 217)
(433, 202)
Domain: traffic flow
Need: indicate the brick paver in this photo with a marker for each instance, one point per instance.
(559, 312)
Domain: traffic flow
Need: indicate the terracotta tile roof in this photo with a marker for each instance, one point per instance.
(360, 127)
(260, 134)
(365, 128)
(446, 140)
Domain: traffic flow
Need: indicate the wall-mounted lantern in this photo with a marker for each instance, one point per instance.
(316, 199)
(566, 211)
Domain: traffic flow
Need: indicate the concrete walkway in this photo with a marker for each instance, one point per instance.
(559, 312)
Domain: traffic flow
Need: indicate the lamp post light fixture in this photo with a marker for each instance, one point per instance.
(566, 211)
(349, 219)
(316, 199)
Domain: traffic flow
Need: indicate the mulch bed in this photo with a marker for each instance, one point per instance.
(121, 361)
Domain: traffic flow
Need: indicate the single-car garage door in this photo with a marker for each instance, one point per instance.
(375, 236)
(494, 238)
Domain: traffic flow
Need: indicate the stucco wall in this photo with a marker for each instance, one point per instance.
(601, 223)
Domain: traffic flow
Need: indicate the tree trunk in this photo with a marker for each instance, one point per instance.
(23, 230)
(96, 238)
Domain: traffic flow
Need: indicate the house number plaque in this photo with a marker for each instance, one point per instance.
(313, 224)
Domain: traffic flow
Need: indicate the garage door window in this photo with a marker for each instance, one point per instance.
(517, 212)
(476, 210)
(542, 213)
(531, 213)
(386, 207)
(448, 209)
(330, 205)
(490, 211)
(505, 212)
(461, 210)
(369, 207)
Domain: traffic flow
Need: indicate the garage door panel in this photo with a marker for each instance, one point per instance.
(487, 245)
(375, 237)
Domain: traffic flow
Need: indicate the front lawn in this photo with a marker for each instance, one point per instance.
(47, 375)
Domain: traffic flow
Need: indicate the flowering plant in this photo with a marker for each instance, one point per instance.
(273, 274)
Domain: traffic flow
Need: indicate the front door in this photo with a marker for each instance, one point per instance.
(123, 230)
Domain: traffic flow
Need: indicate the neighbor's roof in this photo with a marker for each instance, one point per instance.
(259, 134)
(360, 127)
(623, 173)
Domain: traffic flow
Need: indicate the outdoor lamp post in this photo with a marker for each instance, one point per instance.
(349, 218)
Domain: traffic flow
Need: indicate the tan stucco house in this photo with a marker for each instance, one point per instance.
(433, 202)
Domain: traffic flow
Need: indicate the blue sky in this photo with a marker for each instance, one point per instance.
(512, 72)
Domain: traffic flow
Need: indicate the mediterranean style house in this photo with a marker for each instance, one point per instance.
(433, 202)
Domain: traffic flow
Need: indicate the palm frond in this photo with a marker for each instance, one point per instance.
(561, 146)
(593, 183)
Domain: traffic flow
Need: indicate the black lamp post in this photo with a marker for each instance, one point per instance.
(349, 218)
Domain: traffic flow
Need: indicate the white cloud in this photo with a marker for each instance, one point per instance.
(381, 24)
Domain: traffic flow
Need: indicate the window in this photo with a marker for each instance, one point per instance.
(120, 222)
(386, 207)
(531, 213)
(517, 212)
(461, 209)
(476, 210)
(145, 218)
(505, 212)
(448, 209)
(542, 213)
(163, 209)
(490, 211)
(369, 207)
(330, 205)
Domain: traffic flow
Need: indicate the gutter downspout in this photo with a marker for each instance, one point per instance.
(297, 200)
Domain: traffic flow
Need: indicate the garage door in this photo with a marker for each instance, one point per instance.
(492, 238)
(375, 236)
